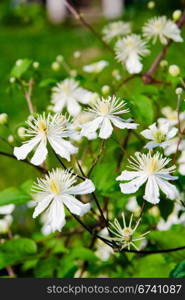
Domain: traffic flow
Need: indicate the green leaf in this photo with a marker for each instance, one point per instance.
(19, 70)
(143, 109)
(13, 195)
(178, 271)
(46, 267)
(16, 251)
(47, 82)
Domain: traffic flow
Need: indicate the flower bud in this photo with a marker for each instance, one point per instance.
(55, 66)
(12, 80)
(10, 139)
(73, 73)
(163, 63)
(3, 118)
(21, 132)
(59, 58)
(179, 91)
(105, 89)
(19, 62)
(77, 54)
(151, 4)
(176, 14)
(174, 70)
(36, 64)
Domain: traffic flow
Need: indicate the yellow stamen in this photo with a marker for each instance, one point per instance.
(54, 186)
(42, 126)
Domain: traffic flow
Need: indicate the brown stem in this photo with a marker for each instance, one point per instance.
(28, 94)
(41, 169)
(79, 16)
(147, 77)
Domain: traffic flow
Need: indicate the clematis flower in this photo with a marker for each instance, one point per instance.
(181, 162)
(160, 136)
(42, 130)
(162, 28)
(149, 169)
(124, 236)
(129, 51)
(171, 117)
(116, 29)
(69, 94)
(105, 113)
(96, 67)
(56, 190)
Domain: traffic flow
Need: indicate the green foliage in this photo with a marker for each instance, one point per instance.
(13, 195)
(16, 251)
(178, 271)
(19, 70)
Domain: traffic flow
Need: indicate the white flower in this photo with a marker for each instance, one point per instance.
(7, 209)
(181, 162)
(3, 118)
(79, 120)
(149, 169)
(174, 70)
(51, 129)
(96, 67)
(124, 236)
(172, 148)
(162, 28)
(68, 94)
(171, 116)
(129, 51)
(115, 29)
(132, 205)
(5, 223)
(105, 113)
(160, 136)
(55, 191)
(103, 251)
(176, 14)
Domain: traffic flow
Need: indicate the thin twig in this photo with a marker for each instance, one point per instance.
(28, 94)
(79, 16)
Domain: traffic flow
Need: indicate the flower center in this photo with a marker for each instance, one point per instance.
(103, 108)
(152, 165)
(127, 233)
(54, 186)
(158, 26)
(130, 44)
(159, 136)
(42, 126)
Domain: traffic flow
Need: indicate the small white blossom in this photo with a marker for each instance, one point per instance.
(129, 51)
(171, 116)
(176, 15)
(160, 135)
(116, 29)
(3, 118)
(10, 139)
(179, 91)
(56, 190)
(5, 224)
(105, 113)
(36, 65)
(174, 70)
(105, 89)
(103, 251)
(151, 4)
(162, 28)
(59, 58)
(42, 130)
(55, 66)
(96, 67)
(149, 169)
(172, 147)
(163, 63)
(82, 118)
(124, 236)
(69, 94)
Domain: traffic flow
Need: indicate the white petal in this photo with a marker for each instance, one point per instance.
(62, 147)
(7, 209)
(105, 129)
(147, 133)
(152, 191)
(168, 189)
(133, 185)
(40, 154)
(42, 205)
(22, 151)
(151, 145)
(73, 107)
(127, 175)
(172, 133)
(56, 215)
(86, 187)
(75, 206)
(91, 126)
(121, 123)
(133, 64)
